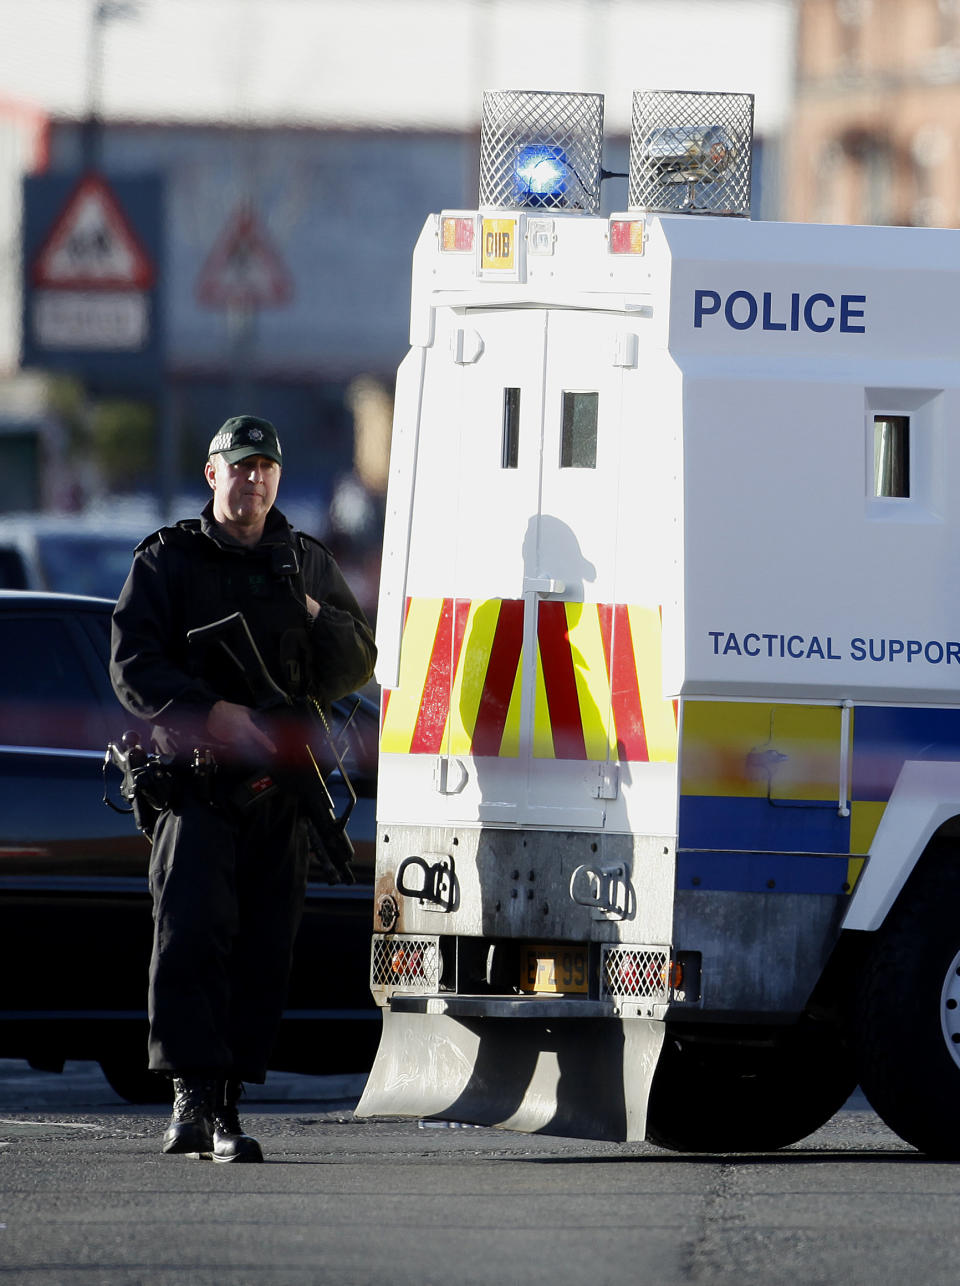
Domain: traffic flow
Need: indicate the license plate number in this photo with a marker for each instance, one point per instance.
(553, 969)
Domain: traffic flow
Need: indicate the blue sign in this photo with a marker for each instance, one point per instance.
(93, 279)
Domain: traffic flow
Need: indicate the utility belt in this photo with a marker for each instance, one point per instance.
(150, 784)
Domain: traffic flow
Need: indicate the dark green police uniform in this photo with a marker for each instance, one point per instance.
(227, 886)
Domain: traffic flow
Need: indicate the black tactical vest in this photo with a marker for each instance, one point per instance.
(208, 581)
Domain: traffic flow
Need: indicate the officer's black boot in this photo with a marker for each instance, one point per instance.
(230, 1143)
(191, 1126)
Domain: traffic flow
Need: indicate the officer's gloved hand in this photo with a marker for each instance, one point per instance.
(233, 727)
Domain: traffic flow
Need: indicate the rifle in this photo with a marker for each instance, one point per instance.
(307, 751)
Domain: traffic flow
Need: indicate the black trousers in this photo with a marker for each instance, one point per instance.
(228, 893)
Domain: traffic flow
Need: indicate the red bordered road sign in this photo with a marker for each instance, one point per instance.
(92, 246)
(244, 270)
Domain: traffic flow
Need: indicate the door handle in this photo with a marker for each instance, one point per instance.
(543, 585)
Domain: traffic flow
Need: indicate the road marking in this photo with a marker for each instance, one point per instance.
(44, 1125)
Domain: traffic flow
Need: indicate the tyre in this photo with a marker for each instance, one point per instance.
(132, 1080)
(907, 1013)
(748, 1095)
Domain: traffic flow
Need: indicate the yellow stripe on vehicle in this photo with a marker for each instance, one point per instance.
(659, 716)
(542, 731)
(510, 745)
(471, 673)
(590, 675)
(419, 633)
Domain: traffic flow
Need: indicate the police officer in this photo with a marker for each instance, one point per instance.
(227, 880)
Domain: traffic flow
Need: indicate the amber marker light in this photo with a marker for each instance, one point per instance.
(626, 236)
(456, 233)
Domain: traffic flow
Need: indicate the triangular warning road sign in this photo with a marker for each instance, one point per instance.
(92, 245)
(243, 268)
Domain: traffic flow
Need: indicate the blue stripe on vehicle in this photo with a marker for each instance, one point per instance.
(730, 822)
(761, 872)
(885, 736)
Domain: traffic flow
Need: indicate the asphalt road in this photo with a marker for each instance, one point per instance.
(86, 1197)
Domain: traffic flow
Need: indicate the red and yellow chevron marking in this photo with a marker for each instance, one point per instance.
(597, 691)
(459, 690)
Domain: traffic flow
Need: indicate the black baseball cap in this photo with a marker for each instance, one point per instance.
(244, 435)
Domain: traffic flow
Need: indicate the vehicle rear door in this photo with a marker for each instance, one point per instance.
(535, 562)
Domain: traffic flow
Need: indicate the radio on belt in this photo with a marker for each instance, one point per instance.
(669, 787)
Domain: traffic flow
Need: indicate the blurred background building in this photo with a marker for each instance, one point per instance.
(875, 128)
(296, 147)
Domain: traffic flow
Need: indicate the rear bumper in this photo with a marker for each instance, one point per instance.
(585, 1077)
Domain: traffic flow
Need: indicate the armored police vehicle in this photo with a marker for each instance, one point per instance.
(669, 790)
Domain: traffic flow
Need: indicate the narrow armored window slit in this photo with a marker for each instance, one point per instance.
(578, 435)
(510, 444)
(891, 455)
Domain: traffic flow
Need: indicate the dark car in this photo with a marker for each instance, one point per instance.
(75, 553)
(75, 923)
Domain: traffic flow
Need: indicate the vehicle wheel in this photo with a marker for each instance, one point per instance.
(907, 1014)
(135, 1082)
(748, 1097)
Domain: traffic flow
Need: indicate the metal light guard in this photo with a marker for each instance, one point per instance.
(690, 152)
(568, 127)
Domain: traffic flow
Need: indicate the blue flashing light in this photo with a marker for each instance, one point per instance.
(541, 174)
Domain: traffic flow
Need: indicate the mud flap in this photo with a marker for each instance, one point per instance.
(586, 1078)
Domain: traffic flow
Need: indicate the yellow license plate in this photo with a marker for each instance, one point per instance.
(553, 969)
(498, 246)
